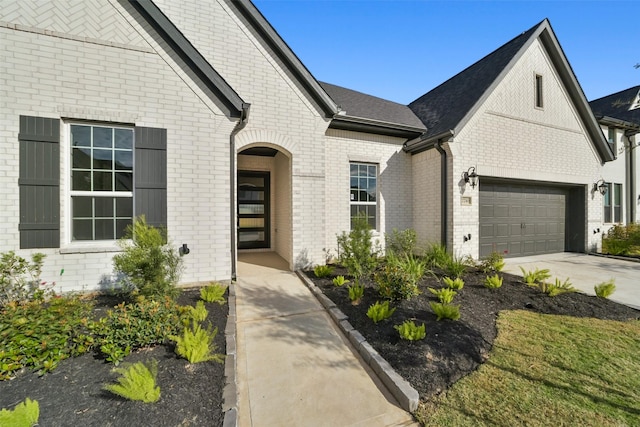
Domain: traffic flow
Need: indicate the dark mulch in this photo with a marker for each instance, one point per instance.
(72, 395)
(453, 349)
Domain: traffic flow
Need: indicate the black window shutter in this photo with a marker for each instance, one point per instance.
(39, 182)
(151, 175)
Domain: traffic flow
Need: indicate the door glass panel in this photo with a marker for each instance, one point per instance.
(252, 181)
(251, 236)
(251, 223)
(245, 195)
(251, 209)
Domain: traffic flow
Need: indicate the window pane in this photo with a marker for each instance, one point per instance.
(124, 181)
(104, 229)
(124, 207)
(616, 194)
(244, 195)
(102, 181)
(124, 160)
(102, 159)
(607, 196)
(353, 170)
(81, 158)
(124, 138)
(81, 181)
(80, 136)
(103, 137)
(82, 207)
(82, 229)
(121, 227)
(607, 214)
(251, 236)
(372, 171)
(251, 222)
(251, 209)
(617, 212)
(104, 207)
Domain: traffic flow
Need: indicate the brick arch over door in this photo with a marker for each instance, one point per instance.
(265, 138)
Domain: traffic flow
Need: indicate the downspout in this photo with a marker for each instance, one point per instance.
(244, 117)
(443, 192)
(632, 176)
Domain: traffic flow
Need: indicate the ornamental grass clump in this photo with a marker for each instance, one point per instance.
(557, 288)
(605, 289)
(214, 292)
(444, 295)
(137, 382)
(25, 414)
(322, 271)
(339, 281)
(380, 311)
(455, 284)
(196, 344)
(533, 278)
(445, 311)
(409, 331)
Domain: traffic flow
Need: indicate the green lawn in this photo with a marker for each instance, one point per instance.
(549, 370)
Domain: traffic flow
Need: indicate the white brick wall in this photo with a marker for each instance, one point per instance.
(120, 75)
(509, 138)
(426, 196)
(394, 182)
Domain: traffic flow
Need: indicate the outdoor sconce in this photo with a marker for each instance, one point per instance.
(470, 177)
(184, 249)
(596, 231)
(600, 187)
(467, 237)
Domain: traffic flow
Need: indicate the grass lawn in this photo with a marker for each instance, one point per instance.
(547, 369)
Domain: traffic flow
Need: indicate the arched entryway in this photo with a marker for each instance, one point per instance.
(263, 200)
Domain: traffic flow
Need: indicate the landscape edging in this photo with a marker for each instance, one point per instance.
(406, 395)
(230, 392)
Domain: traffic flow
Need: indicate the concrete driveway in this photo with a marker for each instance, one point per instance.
(585, 271)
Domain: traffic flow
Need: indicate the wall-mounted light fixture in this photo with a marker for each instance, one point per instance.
(184, 249)
(466, 237)
(600, 186)
(596, 231)
(470, 177)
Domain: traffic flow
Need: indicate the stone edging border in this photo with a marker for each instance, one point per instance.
(406, 395)
(230, 391)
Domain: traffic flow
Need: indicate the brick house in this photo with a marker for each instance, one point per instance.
(198, 115)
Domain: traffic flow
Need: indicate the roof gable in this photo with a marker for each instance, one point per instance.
(448, 107)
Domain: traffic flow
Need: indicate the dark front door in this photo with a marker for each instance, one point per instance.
(253, 210)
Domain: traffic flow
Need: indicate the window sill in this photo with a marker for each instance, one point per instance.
(90, 248)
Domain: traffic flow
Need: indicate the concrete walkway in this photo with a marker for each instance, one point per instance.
(293, 366)
(585, 271)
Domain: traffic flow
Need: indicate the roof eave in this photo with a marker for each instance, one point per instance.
(286, 55)
(361, 124)
(193, 59)
(425, 142)
(607, 120)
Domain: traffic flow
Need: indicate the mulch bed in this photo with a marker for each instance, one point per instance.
(72, 395)
(453, 349)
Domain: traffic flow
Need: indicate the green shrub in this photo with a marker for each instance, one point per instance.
(196, 344)
(339, 281)
(356, 251)
(436, 256)
(150, 265)
(380, 311)
(445, 295)
(25, 414)
(19, 278)
(622, 240)
(213, 292)
(445, 311)
(401, 243)
(322, 271)
(134, 325)
(137, 382)
(455, 284)
(356, 292)
(38, 336)
(409, 331)
(198, 313)
(557, 288)
(493, 263)
(533, 278)
(493, 282)
(605, 289)
(456, 266)
(398, 278)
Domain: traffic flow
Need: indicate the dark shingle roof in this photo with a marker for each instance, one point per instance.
(444, 107)
(358, 104)
(617, 105)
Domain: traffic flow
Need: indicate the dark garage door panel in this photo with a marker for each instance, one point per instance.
(519, 220)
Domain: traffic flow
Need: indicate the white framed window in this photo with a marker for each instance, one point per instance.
(539, 101)
(363, 197)
(101, 184)
(613, 203)
(611, 131)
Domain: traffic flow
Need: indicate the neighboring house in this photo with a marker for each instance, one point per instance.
(619, 117)
(198, 115)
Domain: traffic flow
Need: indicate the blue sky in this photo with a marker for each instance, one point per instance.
(401, 49)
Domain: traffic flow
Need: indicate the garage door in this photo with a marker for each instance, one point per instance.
(519, 220)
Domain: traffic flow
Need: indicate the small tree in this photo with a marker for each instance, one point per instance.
(356, 250)
(150, 264)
